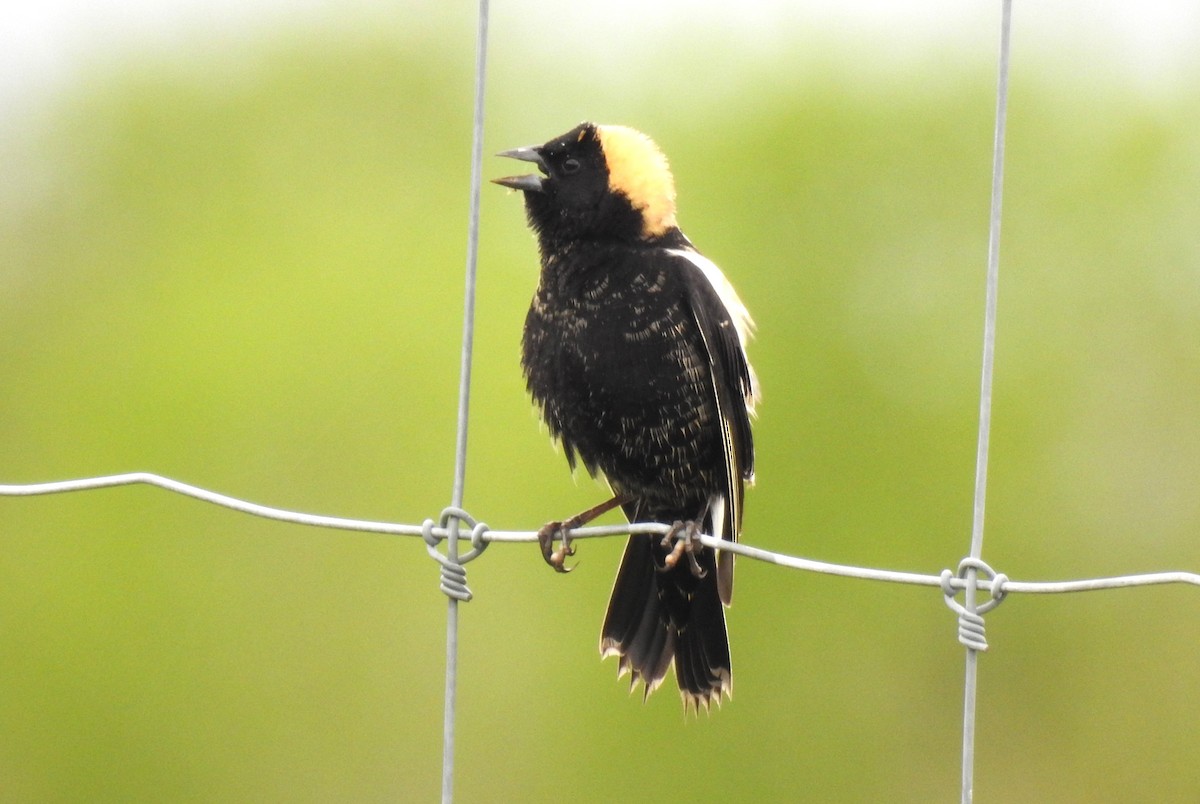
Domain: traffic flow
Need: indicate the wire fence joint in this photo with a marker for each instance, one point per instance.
(970, 622)
(453, 572)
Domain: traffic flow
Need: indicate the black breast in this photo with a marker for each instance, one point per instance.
(613, 357)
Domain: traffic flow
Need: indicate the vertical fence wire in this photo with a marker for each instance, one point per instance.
(969, 570)
(985, 399)
(464, 401)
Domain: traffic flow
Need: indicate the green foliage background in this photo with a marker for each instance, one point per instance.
(245, 272)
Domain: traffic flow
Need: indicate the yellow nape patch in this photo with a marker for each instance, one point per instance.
(638, 170)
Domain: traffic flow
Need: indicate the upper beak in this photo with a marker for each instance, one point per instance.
(529, 183)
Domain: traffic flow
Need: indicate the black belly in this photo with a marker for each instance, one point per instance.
(623, 381)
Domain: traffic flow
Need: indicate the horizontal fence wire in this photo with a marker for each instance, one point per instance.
(478, 533)
(454, 525)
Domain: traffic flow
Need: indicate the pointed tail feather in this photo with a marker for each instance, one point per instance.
(655, 618)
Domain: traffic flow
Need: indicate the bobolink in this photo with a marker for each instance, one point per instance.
(634, 351)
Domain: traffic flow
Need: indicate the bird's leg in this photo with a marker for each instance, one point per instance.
(671, 541)
(694, 547)
(683, 534)
(560, 530)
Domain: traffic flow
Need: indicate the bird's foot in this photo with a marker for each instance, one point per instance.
(560, 531)
(681, 541)
(556, 531)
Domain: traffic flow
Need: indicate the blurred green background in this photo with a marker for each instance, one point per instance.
(240, 265)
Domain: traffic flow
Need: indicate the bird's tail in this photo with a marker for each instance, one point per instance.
(657, 616)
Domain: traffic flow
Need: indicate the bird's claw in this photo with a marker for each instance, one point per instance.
(681, 541)
(556, 557)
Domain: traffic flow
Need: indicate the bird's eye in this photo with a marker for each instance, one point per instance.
(570, 166)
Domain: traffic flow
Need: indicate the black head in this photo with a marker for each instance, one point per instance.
(596, 182)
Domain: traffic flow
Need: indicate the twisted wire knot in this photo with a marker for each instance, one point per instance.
(971, 632)
(453, 573)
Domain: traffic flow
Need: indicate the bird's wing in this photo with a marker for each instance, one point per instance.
(724, 326)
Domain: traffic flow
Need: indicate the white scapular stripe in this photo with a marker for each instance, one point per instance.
(738, 313)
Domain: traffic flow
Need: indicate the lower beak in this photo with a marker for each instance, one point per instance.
(528, 183)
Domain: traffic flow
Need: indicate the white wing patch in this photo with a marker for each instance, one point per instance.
(716, 506)
(738, 313)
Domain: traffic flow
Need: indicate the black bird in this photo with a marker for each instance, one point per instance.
(634, 350)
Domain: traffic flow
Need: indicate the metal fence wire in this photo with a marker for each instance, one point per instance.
(982, 587)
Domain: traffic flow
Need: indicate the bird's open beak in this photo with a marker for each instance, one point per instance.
(530, 183)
